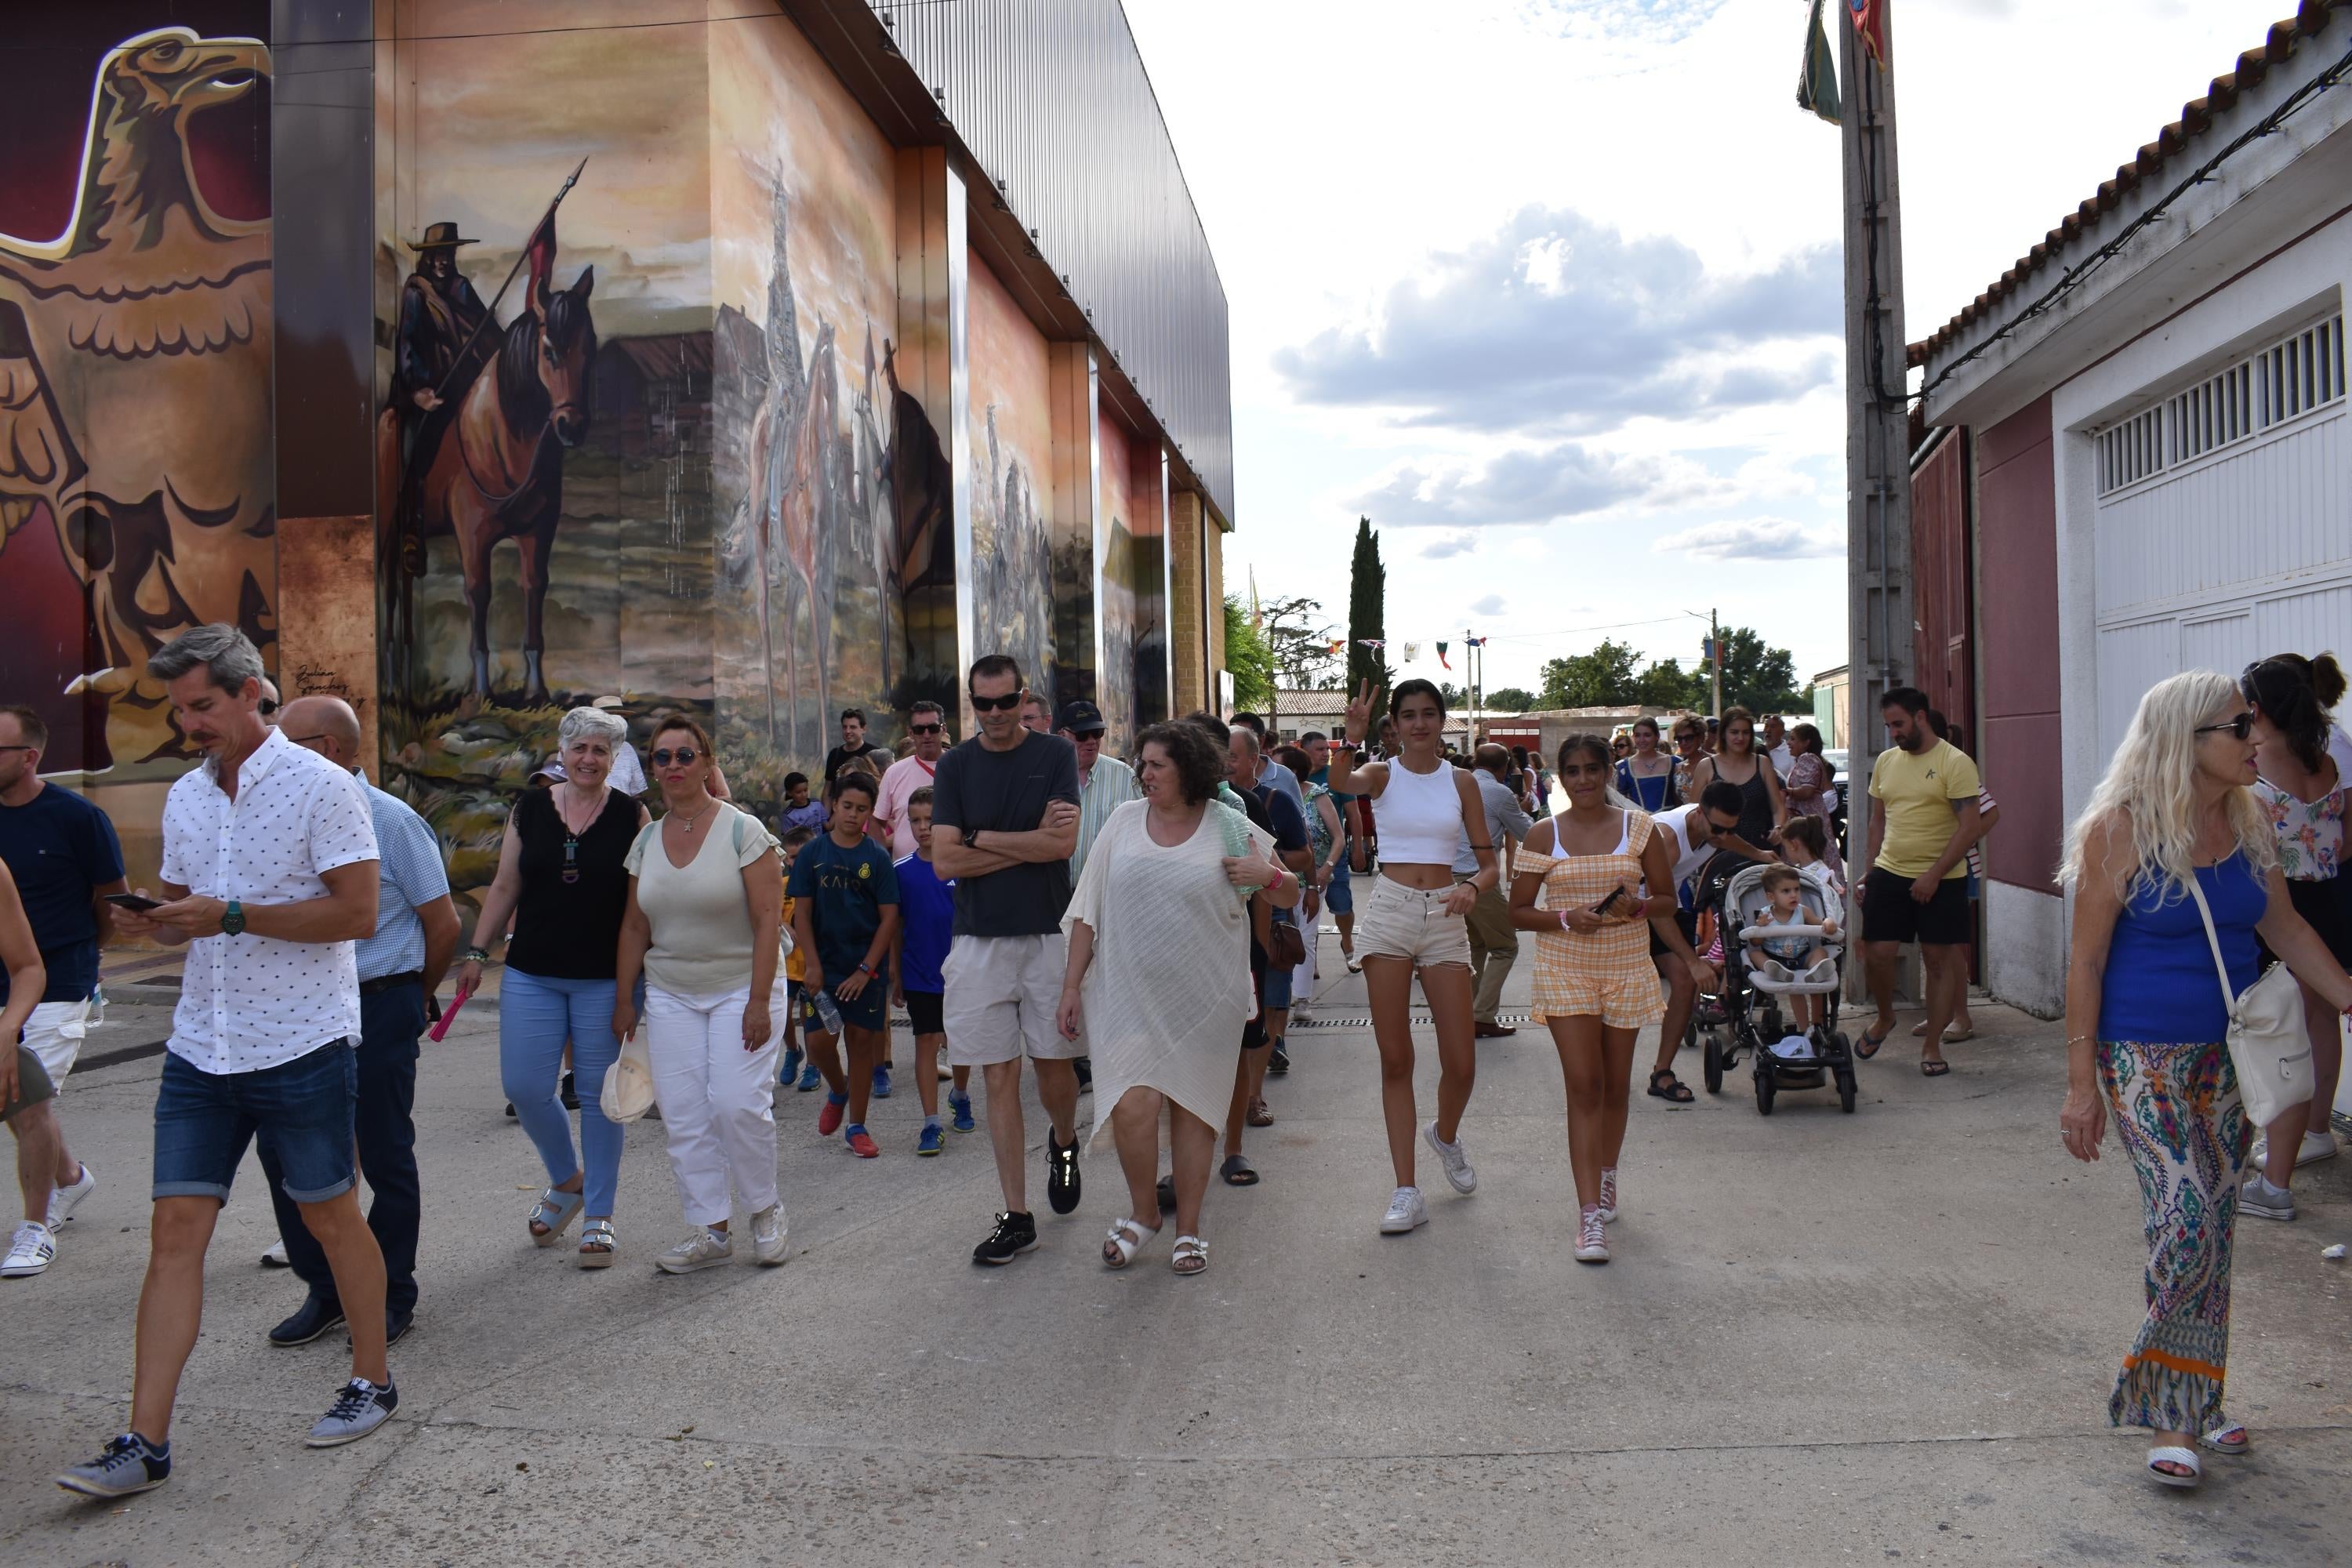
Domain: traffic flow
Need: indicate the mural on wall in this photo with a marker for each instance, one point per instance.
(1011, 544)
(136, 483)
(1115, 597)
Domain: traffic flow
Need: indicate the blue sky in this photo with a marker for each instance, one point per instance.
(1549, 289)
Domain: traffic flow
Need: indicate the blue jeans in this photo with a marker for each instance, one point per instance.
(302, 1108)
(390, 1022)
(536, 1015)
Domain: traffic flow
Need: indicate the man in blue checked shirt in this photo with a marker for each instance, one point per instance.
(400, 967)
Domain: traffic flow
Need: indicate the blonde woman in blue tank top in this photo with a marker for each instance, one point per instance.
(1411, 922)
(2147, 1023)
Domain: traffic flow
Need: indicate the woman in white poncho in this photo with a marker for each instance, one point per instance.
(1158, 975)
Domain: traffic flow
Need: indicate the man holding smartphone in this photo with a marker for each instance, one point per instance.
(64, 856)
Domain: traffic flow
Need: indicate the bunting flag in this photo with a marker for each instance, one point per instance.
(1474, 642)
(1413, 653)
(1441, 657)
(1337, 648)
(1817, 85)
(1870, 27)
(1375, 643)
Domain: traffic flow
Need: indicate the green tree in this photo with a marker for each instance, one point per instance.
(1759, 678)
(1368, 586)
(1300, 639)
(1601, 679)
(1247, 658)
(1666, 684)
(1511, 700)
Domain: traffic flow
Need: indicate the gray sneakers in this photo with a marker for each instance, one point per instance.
(358, 1410)
(706, 1249)
(2256, 1196)
(126, 1465)
(1455, 1157)
(768, 1236)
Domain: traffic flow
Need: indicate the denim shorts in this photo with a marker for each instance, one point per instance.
(1339, 897)
(303, 1107)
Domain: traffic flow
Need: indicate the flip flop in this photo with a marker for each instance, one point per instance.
(1238, 1172)
(1873, 1041)
(1951, 1037)
(1934, 1069)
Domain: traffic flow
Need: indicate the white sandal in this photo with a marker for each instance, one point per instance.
(1190, 1256)
(1117, 1242)
(2168, 1455)
(2230, 1437)
(556, 1211)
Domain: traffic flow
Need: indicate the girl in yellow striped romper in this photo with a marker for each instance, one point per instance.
(1578, 884)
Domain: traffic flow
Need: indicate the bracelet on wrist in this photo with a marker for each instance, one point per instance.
(478, 955)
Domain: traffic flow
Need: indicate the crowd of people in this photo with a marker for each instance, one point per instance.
(1142, 929)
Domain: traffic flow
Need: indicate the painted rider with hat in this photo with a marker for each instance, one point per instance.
(439, 313)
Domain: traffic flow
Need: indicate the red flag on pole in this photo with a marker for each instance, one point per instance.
(1870, 27)
(540, 253)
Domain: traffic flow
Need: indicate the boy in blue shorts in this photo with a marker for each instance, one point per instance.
(798, 1064)
(917, 953)
(844, 915)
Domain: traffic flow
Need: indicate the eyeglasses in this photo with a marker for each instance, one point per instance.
(683, 756)
(270, 708)
(19, 748)
(923, 728)
(2240, 727)
(299, 740)
(1010, 700)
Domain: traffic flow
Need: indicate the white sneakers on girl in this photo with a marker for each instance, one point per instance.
(1592, 1237)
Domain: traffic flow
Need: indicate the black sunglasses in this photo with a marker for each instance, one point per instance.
(683, 756)
(923, 728)
(1010, 699)
(2239, 727)
(268, 707)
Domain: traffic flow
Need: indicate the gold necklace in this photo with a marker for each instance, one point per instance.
(699, 815)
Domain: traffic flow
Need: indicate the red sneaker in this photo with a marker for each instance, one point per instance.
(861, 1144)
(828, 1120)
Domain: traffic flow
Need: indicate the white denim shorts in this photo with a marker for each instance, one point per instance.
(54, 1033)
(1396, 922)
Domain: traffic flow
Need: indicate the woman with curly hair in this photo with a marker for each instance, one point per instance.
(2172, 833)
(1158, 975)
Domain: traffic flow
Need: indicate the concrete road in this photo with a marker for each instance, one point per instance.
(1825, 1338)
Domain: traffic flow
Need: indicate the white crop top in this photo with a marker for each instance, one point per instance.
(1419, 815)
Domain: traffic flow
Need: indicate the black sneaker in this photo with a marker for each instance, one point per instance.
(126, 1465)
(312, 1319)
(571, 1095)
(1279, 1063)
(1062, 1172)
(1085, 1067)
(1014, 1234)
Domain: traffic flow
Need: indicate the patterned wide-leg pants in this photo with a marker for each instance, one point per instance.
(2177, 1115)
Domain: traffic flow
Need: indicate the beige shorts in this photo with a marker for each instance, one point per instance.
(1396, 922)
(1000, 997)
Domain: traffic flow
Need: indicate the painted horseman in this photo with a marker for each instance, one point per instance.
(440, 318)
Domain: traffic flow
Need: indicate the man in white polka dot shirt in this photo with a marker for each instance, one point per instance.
(269, 877)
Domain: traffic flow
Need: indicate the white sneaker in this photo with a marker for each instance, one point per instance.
(62, 1200)
(768, 1235)
(1609, 1195)
(29, 1253)
(1456, 1158)
(1592, 1237)
(2316, 1146)
(706, 1249)
(274, 1255)
(1406, 1213)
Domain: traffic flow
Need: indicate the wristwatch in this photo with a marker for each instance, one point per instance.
(971, 837)
(233, 918)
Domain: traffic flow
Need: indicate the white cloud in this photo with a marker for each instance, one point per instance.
(1760, 539)
(1444, 545)
(1524, 486)
(1491, 605)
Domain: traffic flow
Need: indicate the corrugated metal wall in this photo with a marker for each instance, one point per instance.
(1052, 97)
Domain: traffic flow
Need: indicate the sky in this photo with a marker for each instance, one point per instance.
(1551, 288)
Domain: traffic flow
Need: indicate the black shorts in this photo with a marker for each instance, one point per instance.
(2322, 907)
(1889, 913)
(923, 1013)
(1688, 922)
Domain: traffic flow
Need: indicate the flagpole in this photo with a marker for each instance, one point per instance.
(491, 314)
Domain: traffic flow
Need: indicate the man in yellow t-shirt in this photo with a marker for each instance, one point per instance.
(1917, 888)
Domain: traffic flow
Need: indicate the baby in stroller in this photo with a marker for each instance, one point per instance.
(1796, 957)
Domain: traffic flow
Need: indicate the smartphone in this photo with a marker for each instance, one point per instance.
(1605, 905)
(133, 901)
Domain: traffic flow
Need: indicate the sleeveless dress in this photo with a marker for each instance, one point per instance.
(1653, 793)
(1755, 806)
(1608, 973)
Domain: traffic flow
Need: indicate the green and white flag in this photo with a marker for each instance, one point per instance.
(1817, 85)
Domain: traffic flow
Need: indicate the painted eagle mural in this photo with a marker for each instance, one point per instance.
(135, 380)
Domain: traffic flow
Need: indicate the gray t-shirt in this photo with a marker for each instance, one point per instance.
(1007, 792)
(1505, 817)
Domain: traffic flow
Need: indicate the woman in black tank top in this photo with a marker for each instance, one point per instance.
(1762, 807)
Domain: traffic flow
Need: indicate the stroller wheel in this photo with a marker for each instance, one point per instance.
(1764, 1087)
(1846, 1085)
(1714, 1064)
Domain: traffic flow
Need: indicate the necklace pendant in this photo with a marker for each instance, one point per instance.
(570, 876)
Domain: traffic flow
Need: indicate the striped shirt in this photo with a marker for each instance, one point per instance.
(1108, 786)
(410, 875)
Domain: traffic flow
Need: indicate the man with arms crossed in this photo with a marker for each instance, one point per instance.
(63, 854)
(400, 965)
(1004, 822)
(269, 878)
(1926, 790)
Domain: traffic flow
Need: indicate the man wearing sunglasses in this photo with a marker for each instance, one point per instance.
(1927, 790)
(1004, 822)
(927, 723)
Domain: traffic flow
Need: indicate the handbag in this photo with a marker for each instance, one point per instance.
(628, 1082)
(2269, 1045)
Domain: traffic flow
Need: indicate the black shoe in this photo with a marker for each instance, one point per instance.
(511, 1110)
(571, 1095)
(1279, 1064)
(396, 1325)
(1166, 1194)
(1062, 1172)
(1085, 1067)
(310, 1321)
(1014, 1234)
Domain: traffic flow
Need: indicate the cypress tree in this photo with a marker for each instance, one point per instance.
(1367, 584)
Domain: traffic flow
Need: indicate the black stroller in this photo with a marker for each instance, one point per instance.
(1749, 1019)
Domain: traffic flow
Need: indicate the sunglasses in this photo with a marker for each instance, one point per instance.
(2240, 727)
(269, 709)
(923, 728)
(1005, 703)
(683, 756)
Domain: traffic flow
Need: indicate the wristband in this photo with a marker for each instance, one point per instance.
(870, 972)
(1563, 922)
(477, 956)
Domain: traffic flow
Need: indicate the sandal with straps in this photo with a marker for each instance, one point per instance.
(556, 1211)
(2184, 1457)
(2230, 1437)
(1190, 1256)
(1118, 1251)
(1666, 1086)
(596, 1244)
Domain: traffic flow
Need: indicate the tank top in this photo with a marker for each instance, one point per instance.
(570, 930)
(2159, 987)
(1420, 815)
(1754, 804)
(2310, 833)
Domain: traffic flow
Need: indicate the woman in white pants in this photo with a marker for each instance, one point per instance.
(705, 922)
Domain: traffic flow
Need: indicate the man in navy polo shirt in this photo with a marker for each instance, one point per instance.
(64, 856)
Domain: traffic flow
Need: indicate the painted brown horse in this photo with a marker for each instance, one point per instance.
(497, 472)
(788, 512)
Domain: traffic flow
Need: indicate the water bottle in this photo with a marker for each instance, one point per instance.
(97, 1006)
(828, 1016)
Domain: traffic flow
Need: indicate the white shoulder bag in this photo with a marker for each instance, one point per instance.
(2268, 1042)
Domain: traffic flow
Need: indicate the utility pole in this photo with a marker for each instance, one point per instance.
(1715, 661)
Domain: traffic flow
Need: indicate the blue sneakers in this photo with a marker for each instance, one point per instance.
(961, 1105)
(881, 1081)
(933, 1141)
(792, 1067)
(810, 1079)
(127, 1464)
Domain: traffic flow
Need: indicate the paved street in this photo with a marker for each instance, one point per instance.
(1824, 1339)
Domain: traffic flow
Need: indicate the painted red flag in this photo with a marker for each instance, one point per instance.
(541, 252)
